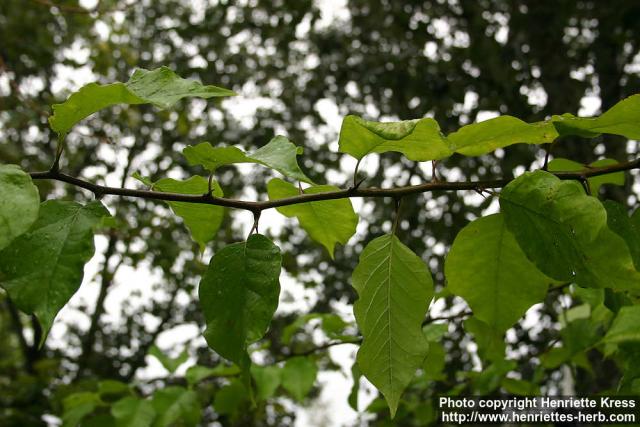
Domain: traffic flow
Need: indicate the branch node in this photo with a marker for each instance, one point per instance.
(355, 186)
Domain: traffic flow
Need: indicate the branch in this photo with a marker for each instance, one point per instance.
(87, 342)
(255, 206)
(16, 324)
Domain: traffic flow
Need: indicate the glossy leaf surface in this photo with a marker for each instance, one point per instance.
(239, 294)
(43, 268)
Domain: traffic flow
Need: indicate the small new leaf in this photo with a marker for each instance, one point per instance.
(171, 364)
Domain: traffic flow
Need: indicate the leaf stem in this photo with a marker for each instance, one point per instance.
(396, 219)
(355, 174)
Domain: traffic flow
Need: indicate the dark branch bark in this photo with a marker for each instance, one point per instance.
(18, 329)
(255, 206)
(106, 276)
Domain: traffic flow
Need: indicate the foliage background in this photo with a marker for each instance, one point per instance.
(299, 67)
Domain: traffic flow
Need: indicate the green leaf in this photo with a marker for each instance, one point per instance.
(239, 294)
(488, 269)
(176, 405)
(267, 379)
(394, 288)
(279, 154)
(160, 87)
(484, 137)
(112, 390)
(327, 222)
(43, 268)
(434, 363)
(20, 203)
(520, 387)
(564, 232)
(298, 376)
(289, 330)
(565, 165)
(202, 220)
(435, 331)
(355, 387)
(621, 119)
(282, 155)
(230, 397)
(197, 373)
(332, 324)
(133, 412)
(490, 342)
(211, 158)
(171, 364)
(418, 140)
(491, 376)
(625, 326)
(619, 222)
(77, 406)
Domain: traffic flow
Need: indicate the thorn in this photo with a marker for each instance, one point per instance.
(356, 185)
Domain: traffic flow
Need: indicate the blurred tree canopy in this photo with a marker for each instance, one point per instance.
(298, 64)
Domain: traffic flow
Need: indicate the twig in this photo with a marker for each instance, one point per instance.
(254, 206)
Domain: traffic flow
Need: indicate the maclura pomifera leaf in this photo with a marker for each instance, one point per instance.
(394, 289)
(418, 139)
(279, 154)
(160, 87)
(44, 267)
(487, 268)
(595, 182)
(202, 220)
(19, 203)
(421, 139)
(239, 294)
(622, 119)
(328, 222)
(565, 233)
